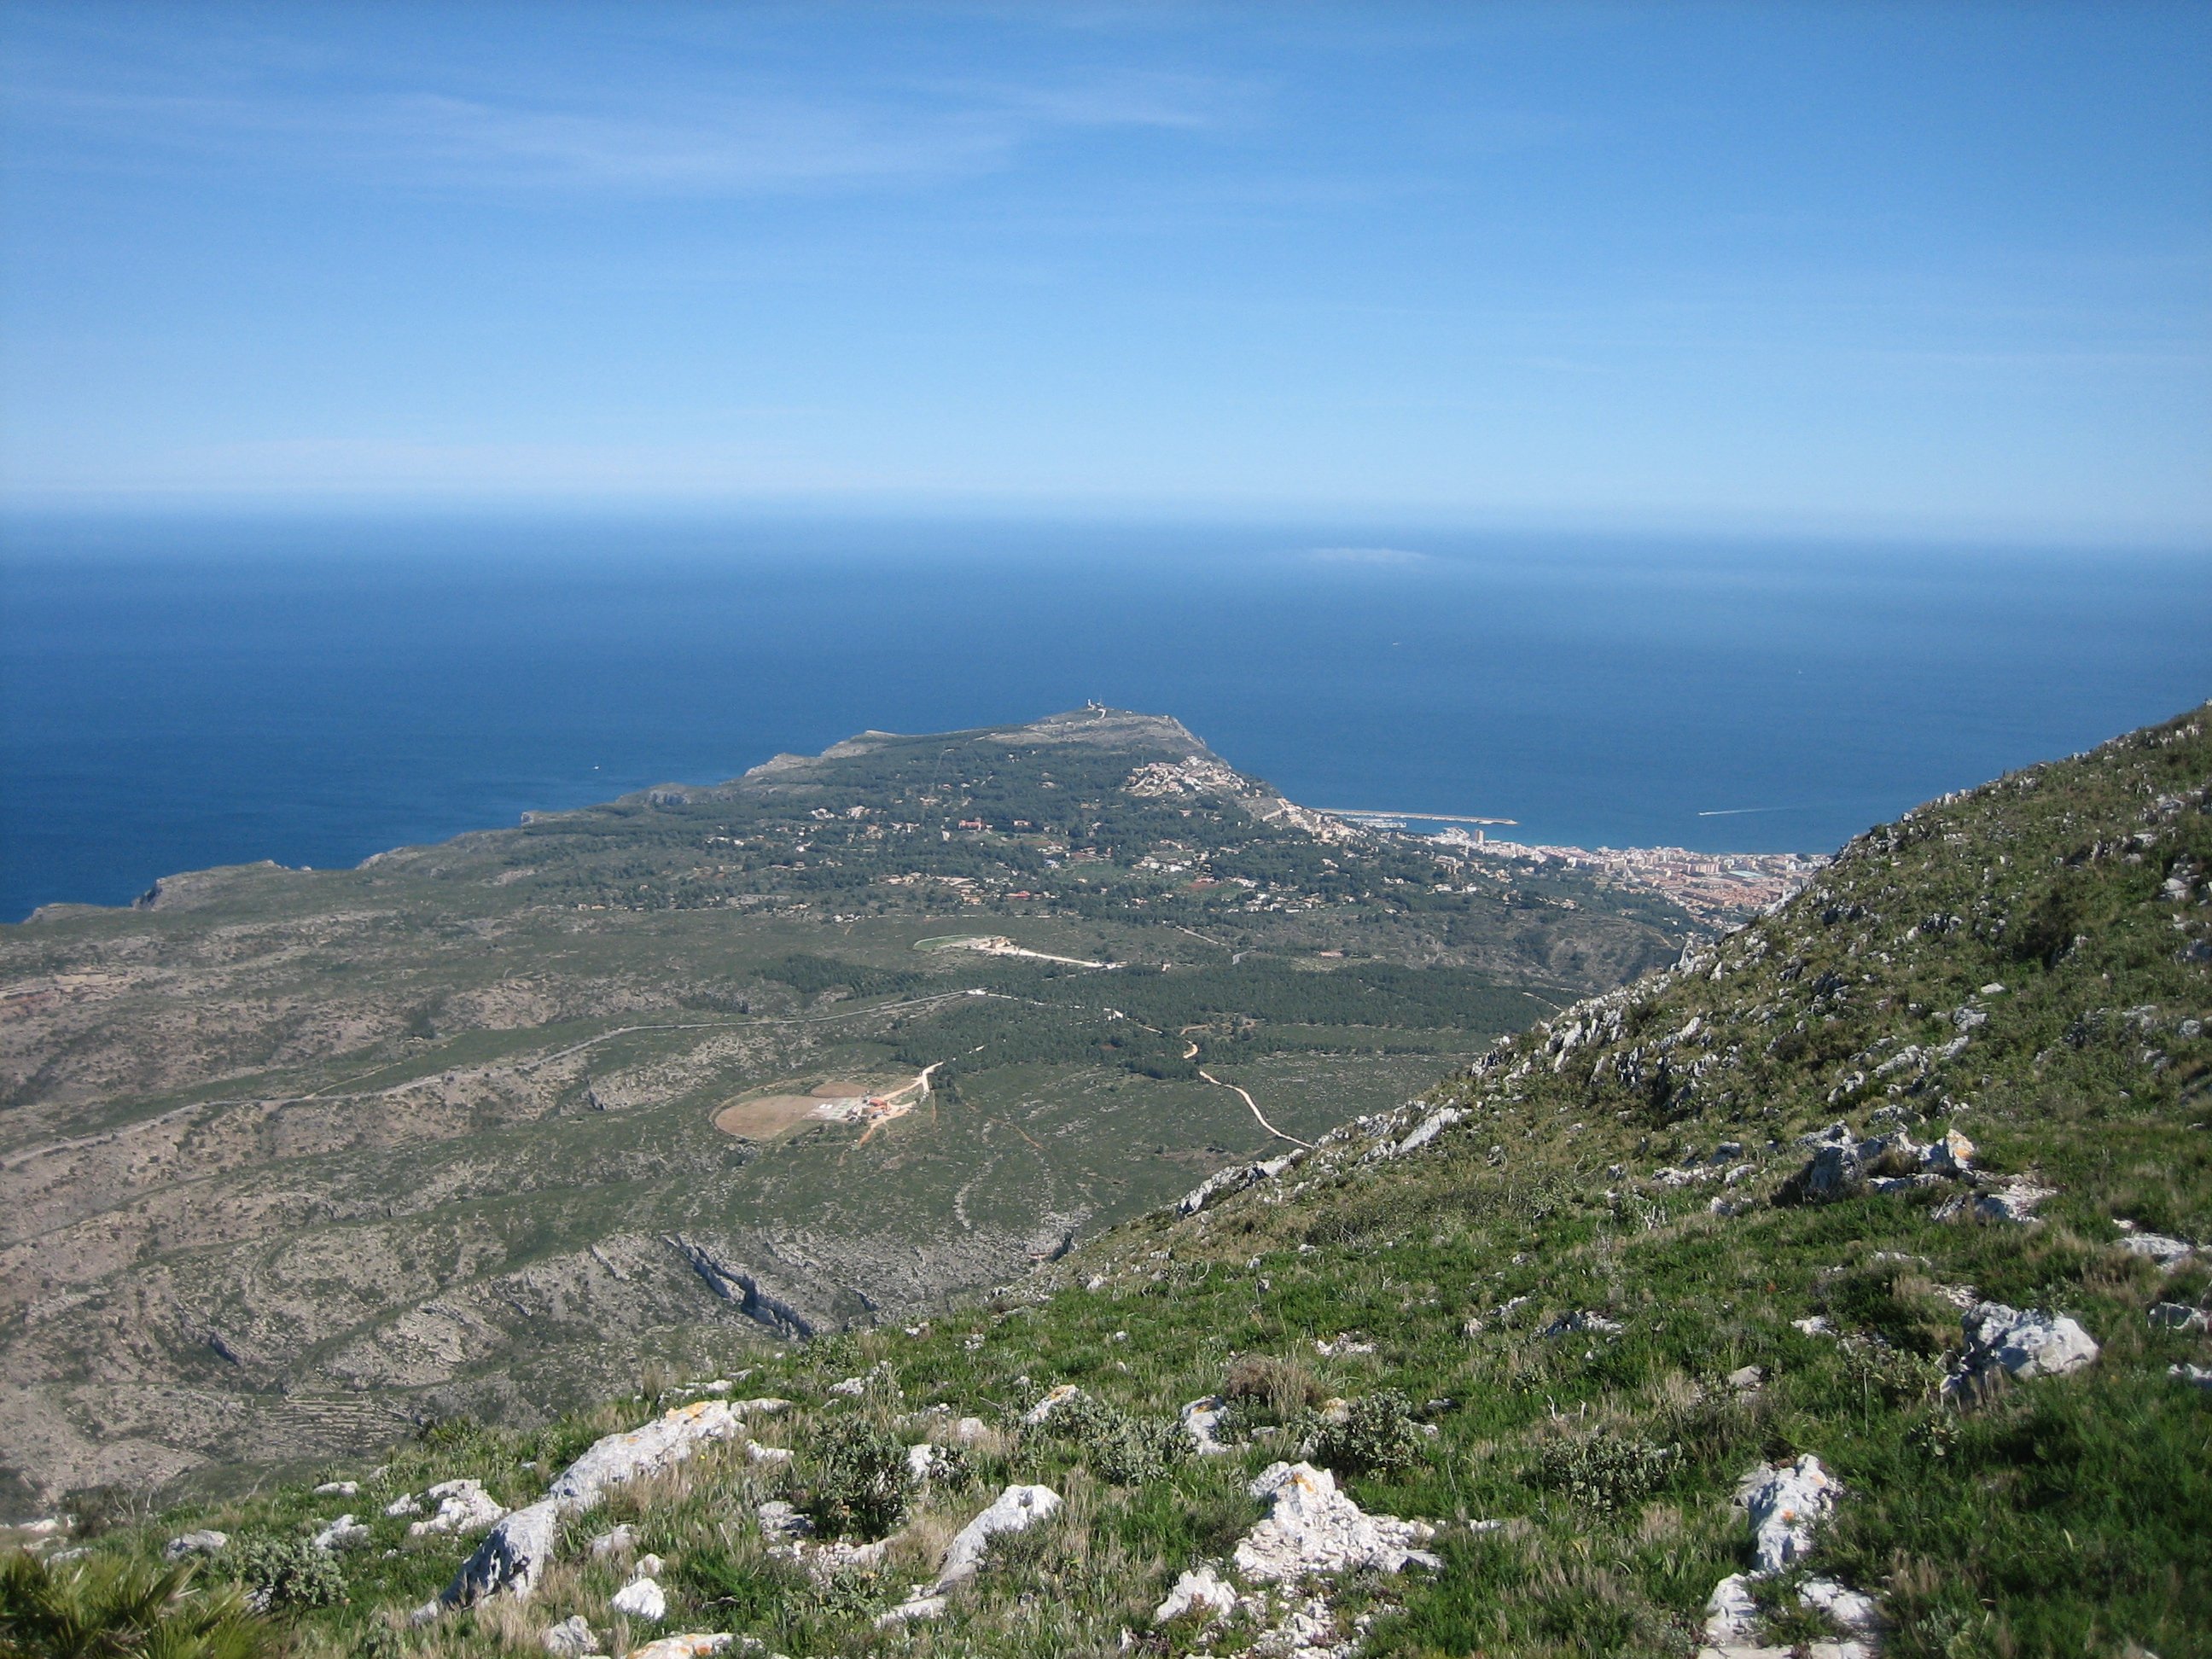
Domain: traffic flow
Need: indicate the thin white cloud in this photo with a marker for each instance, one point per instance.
(731, 137)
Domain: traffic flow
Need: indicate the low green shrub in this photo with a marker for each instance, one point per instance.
(1605, 1470)
(860, 1482)
(1378, 1434)
(285, 1572)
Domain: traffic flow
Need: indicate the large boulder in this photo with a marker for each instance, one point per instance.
(670, 1439)
(1315, 1528)
(513, 1555)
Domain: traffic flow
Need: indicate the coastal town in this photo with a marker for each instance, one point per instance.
(1712, 886)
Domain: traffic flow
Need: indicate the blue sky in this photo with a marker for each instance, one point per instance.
(1925, 270)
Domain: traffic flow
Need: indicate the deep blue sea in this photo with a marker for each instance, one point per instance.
(180, 693)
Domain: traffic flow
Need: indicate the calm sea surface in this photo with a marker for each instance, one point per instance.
(184, 694)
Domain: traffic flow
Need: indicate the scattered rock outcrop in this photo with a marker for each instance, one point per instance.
(462, 1506)
(1234, 1179)
(1787, 1503)
(1315, 1528)
(343, 1534)
(2021, 1344)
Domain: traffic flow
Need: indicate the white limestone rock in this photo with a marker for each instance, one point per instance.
(1731, 1615)
(1200, 1420)
(1316, 1528)
(1954, 1155)
(1234, 1179)
(1200, 1591)
(1430, 1127)
(1851, 1612)
(641, 1598)
(779, 1520)
(338, 1489)
(572, 1638)
(916, 1607)
(2196, 1377)
(2022, 1345)
(2162, 1249)
(464, 1506)
(670, 1439)
(515, 1552)
(620, 1540)
(1066, 1395)
(1786, 1503)
(405, 1503)
(343, 1534)
(1015, 1509)
(2014, 1202)
(203, 1542)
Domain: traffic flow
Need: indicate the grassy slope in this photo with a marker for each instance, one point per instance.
(2063, 1515)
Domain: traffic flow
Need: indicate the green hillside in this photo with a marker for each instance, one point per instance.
(1557, 1310)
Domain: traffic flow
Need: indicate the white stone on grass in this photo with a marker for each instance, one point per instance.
(338, 1489)
(1066, 1395)
(641, 1598)
(204, 1542)
(1200, 1591)
(343, 1534)
(1316, 1528)
(1015, 1509)
(515, 1552)
(1786, 1503)
(572, 1638)
(2022, 1345)
(621, 1541)
(1200, 1420)
(670, 1439)
(464, 1506)
(2163, 1248)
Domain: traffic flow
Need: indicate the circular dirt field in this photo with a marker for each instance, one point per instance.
(771, 1115)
